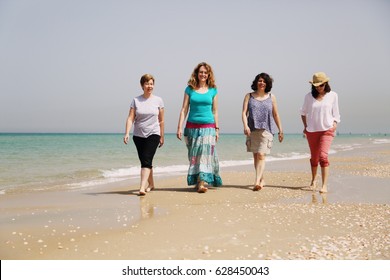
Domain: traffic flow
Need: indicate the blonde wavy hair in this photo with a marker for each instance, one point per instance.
(193, 82)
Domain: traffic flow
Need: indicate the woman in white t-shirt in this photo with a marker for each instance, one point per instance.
(320, 116)
(147, 115)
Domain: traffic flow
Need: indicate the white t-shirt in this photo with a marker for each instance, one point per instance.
(320, 115)
(146, 120)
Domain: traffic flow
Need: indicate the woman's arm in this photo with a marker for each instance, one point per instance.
(129, 124)
(276, 116)
(244, 115)
(215, 113)
(162, 125)
(183, 115)
(336, 112)
(304, 123)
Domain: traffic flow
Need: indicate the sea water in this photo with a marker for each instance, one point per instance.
(36, 161)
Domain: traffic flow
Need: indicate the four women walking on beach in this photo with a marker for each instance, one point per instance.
(259, 116)
(201, 131)
(319, 113)
(147, 115)
(320, 116)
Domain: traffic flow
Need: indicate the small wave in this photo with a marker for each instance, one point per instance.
(346, 147)
(135, 171)
(381, 141)
(228, 163)
(92, 183)
(287, 156)
(121, 174)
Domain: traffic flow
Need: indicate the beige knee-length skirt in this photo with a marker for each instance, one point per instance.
(259, 141)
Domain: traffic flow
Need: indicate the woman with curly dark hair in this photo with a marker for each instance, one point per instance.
(259, 116)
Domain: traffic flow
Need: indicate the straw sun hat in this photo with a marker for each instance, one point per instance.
(319, 78)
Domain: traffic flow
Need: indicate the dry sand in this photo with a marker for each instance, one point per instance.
(285, 220)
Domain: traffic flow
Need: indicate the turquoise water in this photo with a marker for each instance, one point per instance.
(48, 161)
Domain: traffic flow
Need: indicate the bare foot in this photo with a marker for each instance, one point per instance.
(141, 192)
(324, 189)
(313, 186)
(149, 189)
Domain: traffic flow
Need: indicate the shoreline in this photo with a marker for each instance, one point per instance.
(283, 221)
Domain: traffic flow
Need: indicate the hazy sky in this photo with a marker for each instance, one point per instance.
(75, 65)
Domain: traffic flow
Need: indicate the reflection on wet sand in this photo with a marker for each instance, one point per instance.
(147, 209)
(314, 199)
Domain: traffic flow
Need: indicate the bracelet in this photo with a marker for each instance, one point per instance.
(217, 128)
(280, 133)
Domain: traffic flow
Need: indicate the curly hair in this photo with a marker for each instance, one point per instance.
(268, 81)
(193, 82)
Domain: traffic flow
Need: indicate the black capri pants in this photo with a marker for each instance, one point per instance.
(146, 148)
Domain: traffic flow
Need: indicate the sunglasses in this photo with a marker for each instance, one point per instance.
(322, 85)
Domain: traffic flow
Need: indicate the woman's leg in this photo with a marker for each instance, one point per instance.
(325, 175)
(313, 183)
(325, 142)
(145, 172)
(146, 148)
(259, 163)
(313, 139)
(150, 181)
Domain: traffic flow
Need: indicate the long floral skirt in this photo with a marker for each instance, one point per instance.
(202, 155)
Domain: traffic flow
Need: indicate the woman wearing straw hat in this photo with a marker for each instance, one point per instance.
(320, 116)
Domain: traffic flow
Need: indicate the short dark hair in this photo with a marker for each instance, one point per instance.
(315, 93)
(146, 78)
(268, 81)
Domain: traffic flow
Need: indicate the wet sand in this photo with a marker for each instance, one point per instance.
(285, 220)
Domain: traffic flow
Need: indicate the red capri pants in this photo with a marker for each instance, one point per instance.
(319, 143)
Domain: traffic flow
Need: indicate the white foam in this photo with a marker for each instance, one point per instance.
(346, 147)
(381, 141)
(121, 174)
(287, 156)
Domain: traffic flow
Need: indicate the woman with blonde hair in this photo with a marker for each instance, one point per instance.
(200, 106)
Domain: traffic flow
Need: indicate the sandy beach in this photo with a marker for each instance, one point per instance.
(285, 220)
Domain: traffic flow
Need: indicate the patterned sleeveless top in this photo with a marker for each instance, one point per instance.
(260, 114)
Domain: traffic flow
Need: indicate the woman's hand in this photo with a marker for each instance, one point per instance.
(161, 142)
(179, 134)
(126, 139)
(247, 131)
(281, 136)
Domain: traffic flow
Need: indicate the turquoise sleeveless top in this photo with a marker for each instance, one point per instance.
(201, 105)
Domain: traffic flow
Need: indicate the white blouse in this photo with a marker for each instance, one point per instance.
(320, 115)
